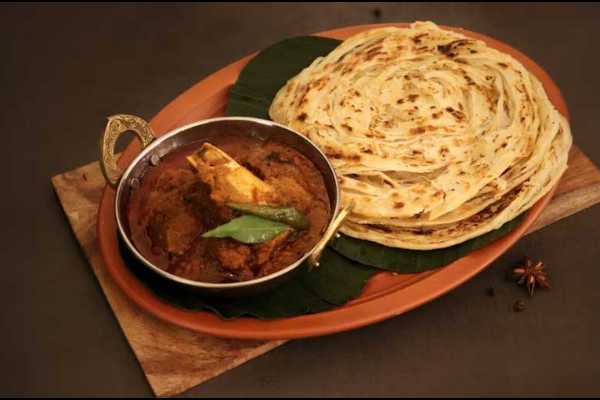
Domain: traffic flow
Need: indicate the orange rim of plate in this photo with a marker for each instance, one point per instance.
(207, 99)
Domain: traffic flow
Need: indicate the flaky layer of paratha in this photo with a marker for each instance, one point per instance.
(513, 203)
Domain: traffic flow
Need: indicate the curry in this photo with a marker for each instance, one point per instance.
(196, 213)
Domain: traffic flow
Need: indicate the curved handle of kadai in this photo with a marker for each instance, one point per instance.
(313, 259)
(116, 126)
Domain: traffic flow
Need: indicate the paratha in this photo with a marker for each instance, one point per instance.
(428, 131)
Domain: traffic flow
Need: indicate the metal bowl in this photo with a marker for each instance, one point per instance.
(155, 148)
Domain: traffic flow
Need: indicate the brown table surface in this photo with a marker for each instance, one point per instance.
(65, 68)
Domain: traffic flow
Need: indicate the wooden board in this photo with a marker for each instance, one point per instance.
(174, 359)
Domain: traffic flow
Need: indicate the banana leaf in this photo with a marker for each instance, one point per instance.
(266, 73)
(413, 261)
(252, 95)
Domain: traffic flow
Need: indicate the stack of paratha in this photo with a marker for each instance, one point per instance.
(436, 136)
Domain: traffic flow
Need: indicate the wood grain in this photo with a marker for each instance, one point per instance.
(175, 359)
(172, 358)
(579, 188)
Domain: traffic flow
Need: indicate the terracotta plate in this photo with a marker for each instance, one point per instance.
(384, 296)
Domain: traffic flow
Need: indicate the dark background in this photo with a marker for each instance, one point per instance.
(65, 68)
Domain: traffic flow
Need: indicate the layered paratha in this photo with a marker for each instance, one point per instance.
(437, 137)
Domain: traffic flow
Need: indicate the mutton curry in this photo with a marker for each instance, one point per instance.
(235, 209)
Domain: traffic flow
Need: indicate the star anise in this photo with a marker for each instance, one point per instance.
(532, 275)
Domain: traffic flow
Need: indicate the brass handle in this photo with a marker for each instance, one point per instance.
(313, 259)
(117, 125)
